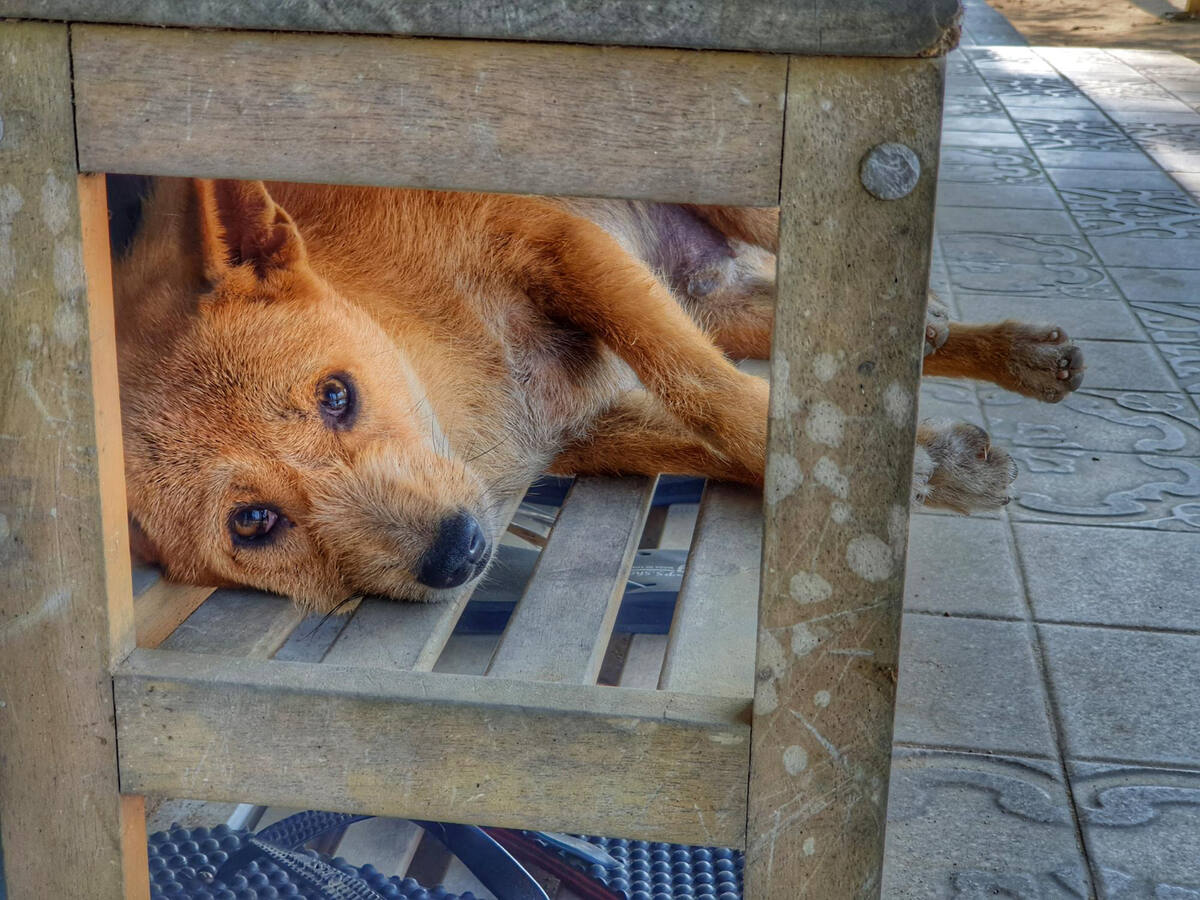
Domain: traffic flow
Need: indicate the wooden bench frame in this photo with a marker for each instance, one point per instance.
(90, 721)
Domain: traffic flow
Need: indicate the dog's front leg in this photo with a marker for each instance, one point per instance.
(580, 275)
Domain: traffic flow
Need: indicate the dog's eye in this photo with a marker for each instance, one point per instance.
(335, 396)
(252, 525)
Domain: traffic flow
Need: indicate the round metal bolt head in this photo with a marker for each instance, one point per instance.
(890, 171)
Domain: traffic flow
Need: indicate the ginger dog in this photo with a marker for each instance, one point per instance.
(331, 391)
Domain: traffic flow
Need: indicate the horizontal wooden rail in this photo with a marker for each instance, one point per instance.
(508, 117)
(646, 764)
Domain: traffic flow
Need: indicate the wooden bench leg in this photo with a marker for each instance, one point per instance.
(853, 271)
(65, 608)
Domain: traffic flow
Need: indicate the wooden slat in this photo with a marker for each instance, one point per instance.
(66, 607)
(560, 629)
(523, 118)
(162, 607)
(853, 273)
(387, 634)
(649, 764)
(713, 633)
(823, 27)
(237, 623)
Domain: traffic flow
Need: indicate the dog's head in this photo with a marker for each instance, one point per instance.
(275, 435)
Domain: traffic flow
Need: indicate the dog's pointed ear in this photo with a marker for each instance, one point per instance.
(241, 225)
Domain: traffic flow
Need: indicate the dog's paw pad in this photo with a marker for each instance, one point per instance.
(1044, 363)
(937, 325)
(959, 468)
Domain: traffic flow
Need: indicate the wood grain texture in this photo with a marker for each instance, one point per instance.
(63, 614)
(560, 628)
(237, 622)
(646, 764)
(712, 639)
(826, 27)
(853, 272)
(162, 607)
(516, 118)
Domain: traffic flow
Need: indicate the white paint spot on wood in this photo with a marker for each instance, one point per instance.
(804, 641)
(69, 321)
(10, 204)
(784, 401)
(809, 587)
(825, 366)
(56, 204)
(784, 476)
(840, 512)
(825, 423)
(822, 698)
(5, 529)
(795, 759)
(772, 664)
(869, 558)
(809, 846)
(828, 475)
(898, 403)
(897, 529)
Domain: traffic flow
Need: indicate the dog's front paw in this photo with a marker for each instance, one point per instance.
(1043, 362)
(937, 324)
(958, 468)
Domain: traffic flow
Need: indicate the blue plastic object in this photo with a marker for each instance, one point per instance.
(659, 871)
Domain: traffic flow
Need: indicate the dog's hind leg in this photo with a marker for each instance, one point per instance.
(958, 468)
(1034, 360)
(637, 436)
(578, 274)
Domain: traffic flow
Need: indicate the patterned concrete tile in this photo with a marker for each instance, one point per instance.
(949, 398)
(961, 566)
(1018, 247)
(972, 826)
(997, 124)
(1111, 576)
(1094, 159)
(1184, 361)
(1169, 323)
(1158, 285)
(1133, 212)
(952, 138)
(1019, 196)
(1082, 319)
(1093, 487)
(1097, 132)
(1141, 826)
(1108, 179)
(999, 220)
(972, 105)
(990, 165)
(1125, 695)
(1055, 280)
(1112, 421)
(1125, 365)
(970, 684)
(1165, 252)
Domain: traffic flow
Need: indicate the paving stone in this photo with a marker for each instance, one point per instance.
(1094, 159)
(1016, 247)
(962, 566)
(1161, 252)
(1091, 487)
(949, 398)
(1190, 181)
(1111, 576)
(1133, 213)
(1074, 130)
(1125, 365)
(1056, 280)
(972, 826)
(1184, 362)
(1108, 179)
(1082, 319)
(1170, 285)
(990, 165)
(970, 684)
(1141, 826)
(1006, 221)
(1009, 139)
(1112, 421)
(1125, 695)
(1168, 323)
(951, 193)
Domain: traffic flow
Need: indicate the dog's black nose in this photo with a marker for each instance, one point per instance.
(458, 554)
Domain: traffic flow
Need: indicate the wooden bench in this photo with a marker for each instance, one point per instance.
(105, 700)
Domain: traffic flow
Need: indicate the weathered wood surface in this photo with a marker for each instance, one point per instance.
(65, 603)
(824, 27)
(648, 764)
(561, 627)
(853, 272)
(162, 607)
(521, 118)
(713, 633)
(235, 622)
